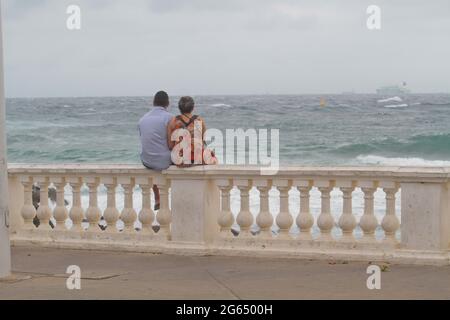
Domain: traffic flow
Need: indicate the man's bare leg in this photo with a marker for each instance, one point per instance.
(156, 192)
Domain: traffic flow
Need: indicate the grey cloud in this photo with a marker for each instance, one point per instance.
(234, 46)
(18, 8)
(166, 6)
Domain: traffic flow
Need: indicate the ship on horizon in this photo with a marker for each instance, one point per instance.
(394, 90)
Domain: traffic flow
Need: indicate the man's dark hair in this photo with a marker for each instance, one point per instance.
(161, 99)
(186, 104)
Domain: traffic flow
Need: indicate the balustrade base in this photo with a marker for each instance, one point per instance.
(335, 251)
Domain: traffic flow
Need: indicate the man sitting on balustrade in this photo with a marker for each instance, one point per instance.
(155, 153)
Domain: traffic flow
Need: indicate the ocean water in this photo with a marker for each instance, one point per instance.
(350, 129)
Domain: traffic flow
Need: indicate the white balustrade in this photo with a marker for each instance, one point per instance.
(424, 227)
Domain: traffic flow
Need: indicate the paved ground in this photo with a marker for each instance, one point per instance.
(40, 274)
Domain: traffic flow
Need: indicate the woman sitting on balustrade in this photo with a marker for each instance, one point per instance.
(190, 127)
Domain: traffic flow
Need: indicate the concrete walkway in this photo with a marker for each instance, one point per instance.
(40, 274)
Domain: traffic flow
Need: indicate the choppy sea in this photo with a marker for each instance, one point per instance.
(343, 129)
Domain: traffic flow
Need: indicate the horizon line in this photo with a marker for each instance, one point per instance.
(215, 95)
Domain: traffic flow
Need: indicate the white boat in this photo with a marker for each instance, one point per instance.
(391, 91)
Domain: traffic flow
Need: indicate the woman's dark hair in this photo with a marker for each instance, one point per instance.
(161, 99)
(186, 104)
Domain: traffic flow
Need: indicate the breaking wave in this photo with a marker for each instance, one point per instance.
(395, 99)
(221, 105)
(430, 146)
(415, 162)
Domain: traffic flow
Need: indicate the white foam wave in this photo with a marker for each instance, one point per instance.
(403, 105)
(396, 99)
(417, 162)
(221, 105)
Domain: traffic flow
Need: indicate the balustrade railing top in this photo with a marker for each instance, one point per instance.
(439, 174)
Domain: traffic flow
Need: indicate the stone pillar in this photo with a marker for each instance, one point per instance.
(76, 213)
(368, 221)
(226, 218)
(111, 213)
(347, 222)
(325, 221)
(264, 218)
(244, 218)
(425, 216)
(305, 219)
(164, 215)
(128, 214)
(93, 213)
(44, 213)
(146, 215)
(60, 213)
(5, 251)
(284, 219)
(390, 222)
(195, 209)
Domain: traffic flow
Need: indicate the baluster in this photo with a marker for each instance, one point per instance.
(93, 213)
(76, 213)
(60, 212)
(44, 213)
(305, 219)
(28, 211)
(244, 218)
(128, 215)
(325, 222)
(111, 213)
(284, 219)
(164, 216)
(368, 222)
(264, 218)
(146, 215)
(347, 221)
(226, 218)
(390, 222)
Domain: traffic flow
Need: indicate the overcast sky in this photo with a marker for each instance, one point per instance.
(223, 47)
